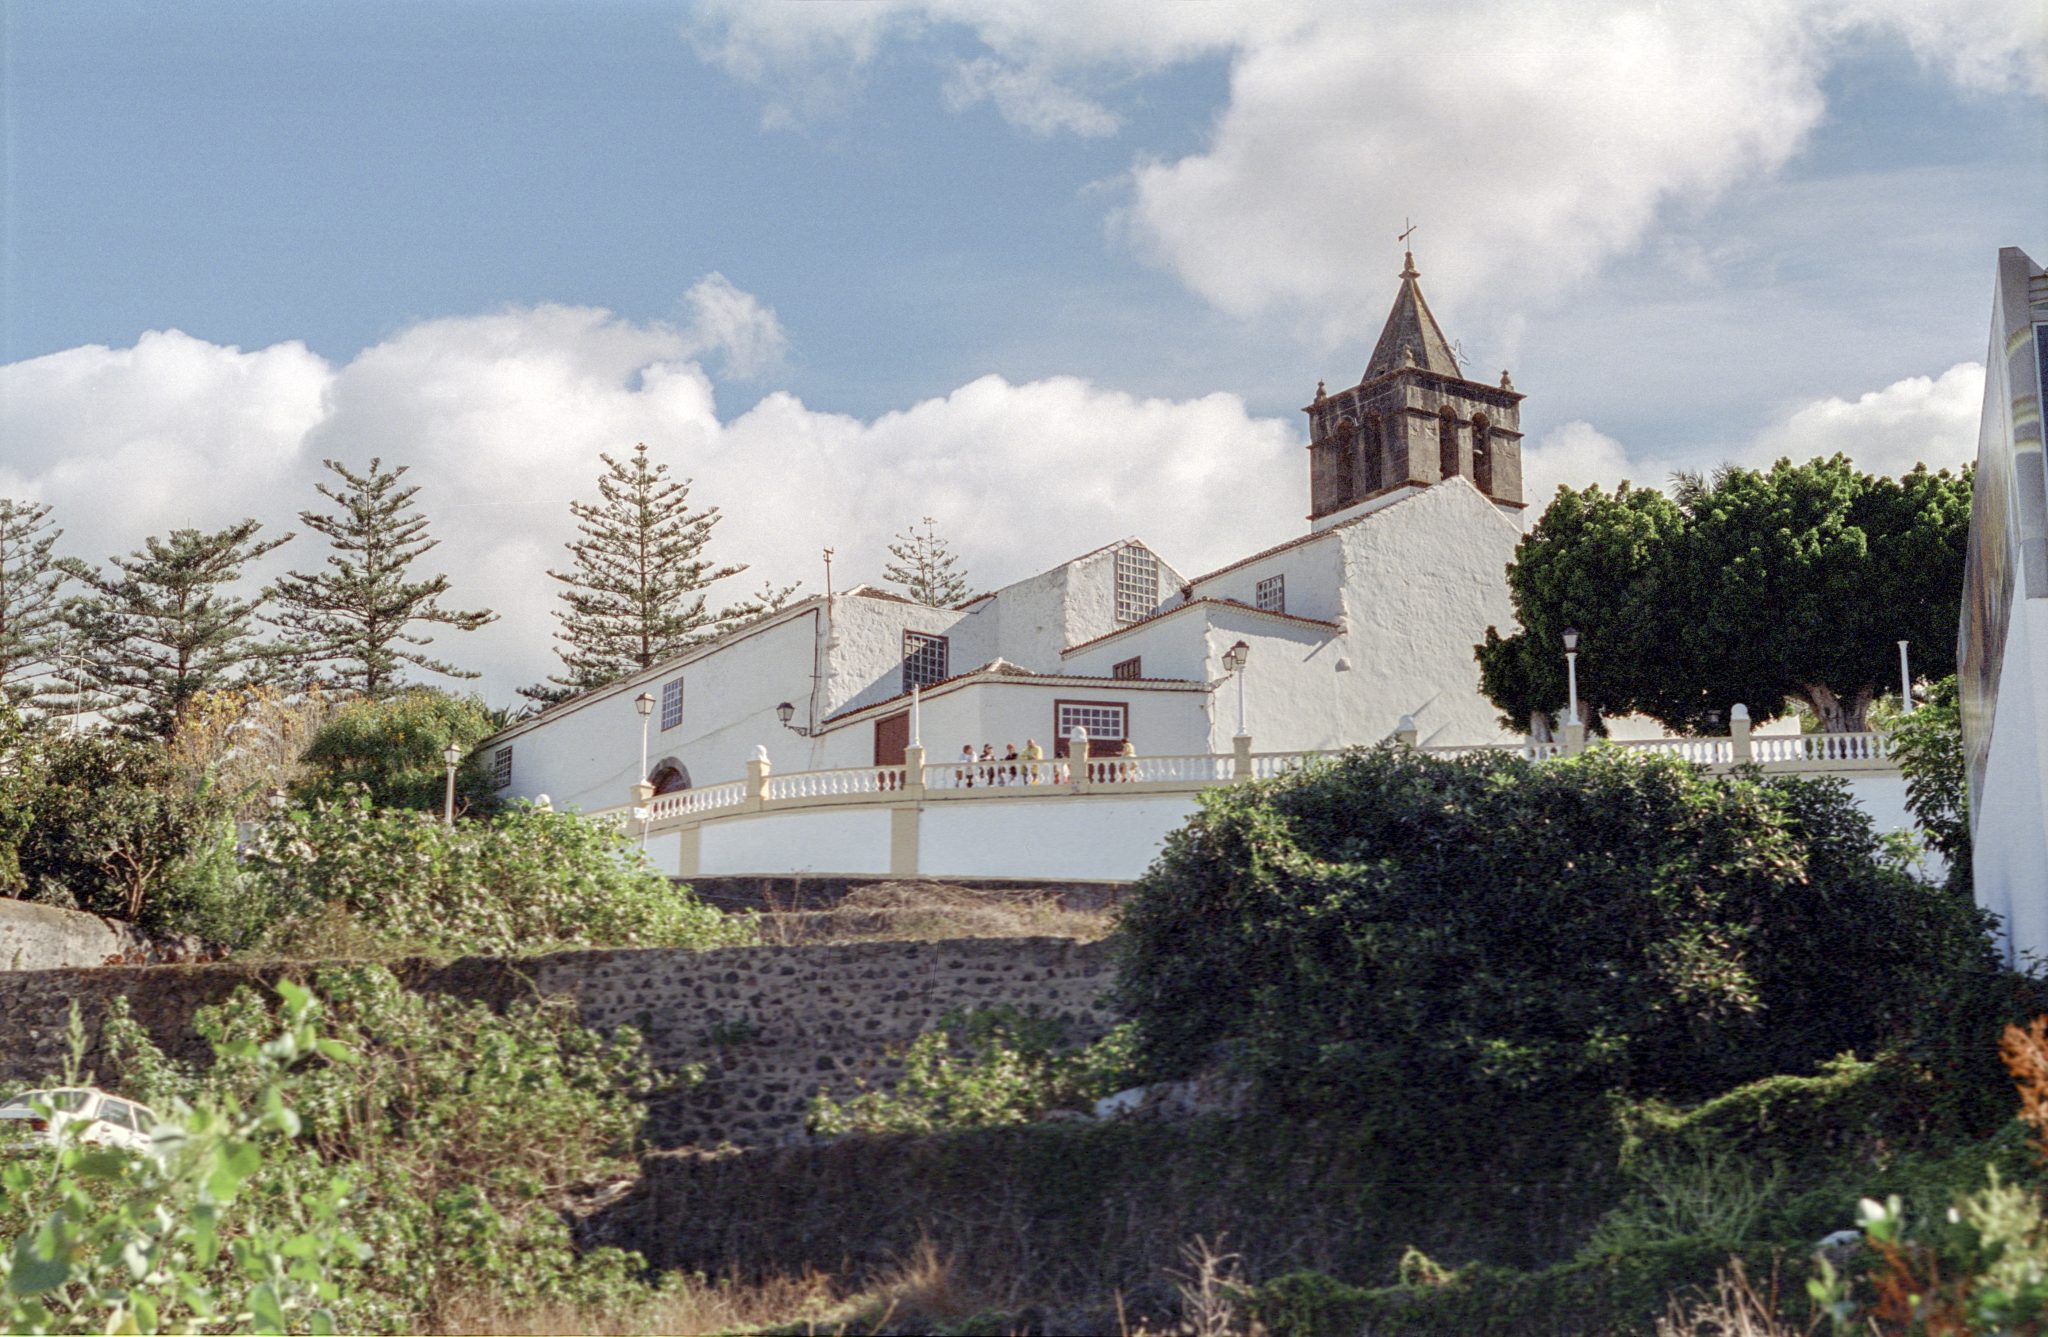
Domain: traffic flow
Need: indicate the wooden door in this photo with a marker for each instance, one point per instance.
(892, 736)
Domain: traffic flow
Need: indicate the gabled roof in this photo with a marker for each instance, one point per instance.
(1232, 605)
(1003, 671)
(1410, 326)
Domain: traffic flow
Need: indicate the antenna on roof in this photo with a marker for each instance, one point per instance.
(828, 573)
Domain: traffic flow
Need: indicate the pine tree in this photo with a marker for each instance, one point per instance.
(31, 617)
(638, 591)
(161, 629)
(925, 567)
(357, 615)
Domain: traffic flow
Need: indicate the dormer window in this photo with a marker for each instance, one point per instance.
(1272, 594)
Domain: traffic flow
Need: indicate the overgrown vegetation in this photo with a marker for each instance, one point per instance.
(389, 1150)
(526, 880)
(389, 750)
(984, 1069)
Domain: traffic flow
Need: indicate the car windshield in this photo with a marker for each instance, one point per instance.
(70, 1102)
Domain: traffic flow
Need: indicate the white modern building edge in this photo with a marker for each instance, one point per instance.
(2002, 648)
(1369, 617)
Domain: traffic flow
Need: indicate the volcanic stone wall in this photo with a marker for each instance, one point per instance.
(771, 1025)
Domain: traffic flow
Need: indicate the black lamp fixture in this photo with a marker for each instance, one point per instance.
(784, 711)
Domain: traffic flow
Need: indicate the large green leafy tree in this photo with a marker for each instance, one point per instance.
(163, 627)
(390, 749)
(926, 568)
(1760, 587)
(638, 588)
(31, 612)
(357, 616)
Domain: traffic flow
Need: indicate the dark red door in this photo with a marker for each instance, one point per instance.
(892, 736)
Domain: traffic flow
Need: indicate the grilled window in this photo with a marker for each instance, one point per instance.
(924, 659)
(501, 768)
(1128, 668)
(1137, 582)
(672, 703)
(1272, 594)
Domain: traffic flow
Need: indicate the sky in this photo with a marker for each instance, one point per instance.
(1051, 273)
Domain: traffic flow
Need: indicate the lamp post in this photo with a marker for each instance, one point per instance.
(644, 703)
(1571, 673)
(1234, 660)
(1905, 681)
(784, 711)
(452, 754)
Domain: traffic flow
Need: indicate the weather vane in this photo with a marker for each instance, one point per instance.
(1403, 238)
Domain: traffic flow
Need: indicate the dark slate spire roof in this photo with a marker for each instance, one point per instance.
(1411, 327)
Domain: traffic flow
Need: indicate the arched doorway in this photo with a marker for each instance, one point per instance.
(669, 776)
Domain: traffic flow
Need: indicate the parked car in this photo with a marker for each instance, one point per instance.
(109, 1120)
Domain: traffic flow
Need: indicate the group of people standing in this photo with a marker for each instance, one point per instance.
(1014, 767)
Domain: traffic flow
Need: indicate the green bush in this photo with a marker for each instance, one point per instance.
(523, 881)
(1928, 745)
(454, 1129)
(1424, 939)
(390, 748)
(983, 1069)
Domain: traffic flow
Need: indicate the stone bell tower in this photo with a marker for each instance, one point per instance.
(1413, 420)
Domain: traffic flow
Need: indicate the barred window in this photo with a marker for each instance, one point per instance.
(1133, 667)
(1104, 720)
(1137, 582)
(1272, 594)
(501, 768)
(924, 659)
(671, 703)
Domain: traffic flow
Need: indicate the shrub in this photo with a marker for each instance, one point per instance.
(454, 1128)
(526, 880)
(1458, 949)
(983, 1069)
(390, 748)
(1928, 745)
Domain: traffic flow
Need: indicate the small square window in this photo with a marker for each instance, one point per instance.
(501, 768)
(1272, 594)
(672, 703)
(924, 659)
(1128, 668)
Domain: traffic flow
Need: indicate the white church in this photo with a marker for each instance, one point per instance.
(1369, 617)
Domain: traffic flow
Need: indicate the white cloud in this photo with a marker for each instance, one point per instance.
(1929, 420)
(502, 416)
(1533, 141)
(733, 323)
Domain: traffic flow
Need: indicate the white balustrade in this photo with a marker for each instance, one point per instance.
(688, 802)
(1810, 748)
(965, 774)
(827, 784)
(1266, 765)
(1706, 751)
(1198, 768)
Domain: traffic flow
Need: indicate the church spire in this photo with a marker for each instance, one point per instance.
(1411, 327)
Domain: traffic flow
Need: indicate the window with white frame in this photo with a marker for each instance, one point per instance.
(501, 768)
(1133, 667)
(1137, 582)
(924, 659)
(671, 703)
(1104, 720)
(1272, 594)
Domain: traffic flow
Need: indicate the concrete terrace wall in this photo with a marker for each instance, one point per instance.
(772, 1025)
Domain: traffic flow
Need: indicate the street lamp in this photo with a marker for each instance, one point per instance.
(1571, 671)
(1905, 681)
(784, 711)
(644, 703)
(1233, 662)
(452, 754)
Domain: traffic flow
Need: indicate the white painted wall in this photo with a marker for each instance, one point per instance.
(1314, 573)
(811, 841)
(1091, 838)
(2009, 833)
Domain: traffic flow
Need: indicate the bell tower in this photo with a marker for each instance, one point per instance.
(1412, 420)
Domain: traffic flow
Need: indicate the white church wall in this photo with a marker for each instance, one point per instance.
(1423, 580)
(1091, 838)
(853, 841)
(586, 753)
(1171, 647)
(1293, 693)
(866, 665)
(1313, 572)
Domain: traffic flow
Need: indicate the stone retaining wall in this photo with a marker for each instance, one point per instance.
(43, 937)
(772, 1025)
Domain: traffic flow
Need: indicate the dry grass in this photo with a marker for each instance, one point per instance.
(1734, 1308)
(932, 911)
(916, 1295)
